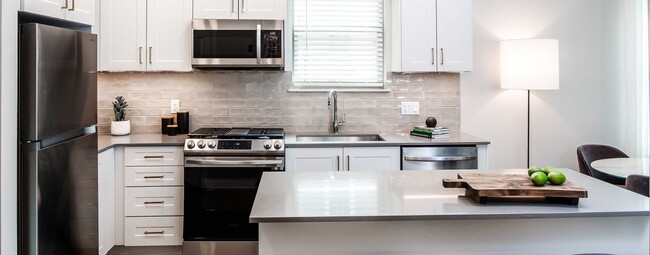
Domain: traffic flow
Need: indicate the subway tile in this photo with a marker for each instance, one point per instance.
(238, 98)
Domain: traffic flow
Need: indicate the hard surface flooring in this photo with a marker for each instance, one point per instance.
(146, 250)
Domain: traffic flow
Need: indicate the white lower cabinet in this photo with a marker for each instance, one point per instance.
(153, 195)
(153, 231)
(343, 159)
(106, 200)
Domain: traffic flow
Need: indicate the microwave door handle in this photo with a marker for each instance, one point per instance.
(259, 44)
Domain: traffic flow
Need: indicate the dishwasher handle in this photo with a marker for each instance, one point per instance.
(440, 158)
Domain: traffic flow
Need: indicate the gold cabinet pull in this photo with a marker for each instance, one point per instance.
(442, 56)
(65, 6)
(154, 157)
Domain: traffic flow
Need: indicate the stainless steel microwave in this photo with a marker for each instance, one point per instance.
(238, 44)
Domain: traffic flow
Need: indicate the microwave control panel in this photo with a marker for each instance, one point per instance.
(271, 44)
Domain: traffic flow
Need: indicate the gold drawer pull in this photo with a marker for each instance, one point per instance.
(154, 177)
(154, 157)
(154, 232)
(153, 202)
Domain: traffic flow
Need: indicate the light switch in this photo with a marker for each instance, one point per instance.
(410, 108)
(176, 105)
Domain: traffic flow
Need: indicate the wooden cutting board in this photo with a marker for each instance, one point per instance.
(482, 187)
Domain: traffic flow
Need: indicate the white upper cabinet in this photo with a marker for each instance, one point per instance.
(240, 9)
(80, 11)
(432, 36)
(146, 35)
(216, 9)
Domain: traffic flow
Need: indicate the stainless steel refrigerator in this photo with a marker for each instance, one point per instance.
(57, 141)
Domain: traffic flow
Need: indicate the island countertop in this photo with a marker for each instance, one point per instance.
(417, 195)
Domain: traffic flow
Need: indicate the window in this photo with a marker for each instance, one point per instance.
(338, 44)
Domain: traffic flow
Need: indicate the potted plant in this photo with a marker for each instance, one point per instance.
(120, 126)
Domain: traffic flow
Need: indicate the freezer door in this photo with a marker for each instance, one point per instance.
(58, 86)
(58, 198)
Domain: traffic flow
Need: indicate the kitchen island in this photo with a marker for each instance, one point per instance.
(409, 212)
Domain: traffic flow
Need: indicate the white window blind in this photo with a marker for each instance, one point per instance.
(338, 43)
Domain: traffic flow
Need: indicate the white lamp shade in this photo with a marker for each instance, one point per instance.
(530, 64)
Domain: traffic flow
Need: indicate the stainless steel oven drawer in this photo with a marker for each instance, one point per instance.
(439, 157)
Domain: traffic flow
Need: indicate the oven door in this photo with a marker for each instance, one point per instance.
(219, 196)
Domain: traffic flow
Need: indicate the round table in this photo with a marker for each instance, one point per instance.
(623, 166)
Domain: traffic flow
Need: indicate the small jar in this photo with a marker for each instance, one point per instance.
(166, 121)
(172, 130)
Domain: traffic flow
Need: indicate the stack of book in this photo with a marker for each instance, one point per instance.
(430, 132)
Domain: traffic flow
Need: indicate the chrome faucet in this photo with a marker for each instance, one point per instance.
(331, 103)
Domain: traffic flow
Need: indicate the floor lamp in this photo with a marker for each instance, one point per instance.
(530, 64)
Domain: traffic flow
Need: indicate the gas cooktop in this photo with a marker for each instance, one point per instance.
(238, 133)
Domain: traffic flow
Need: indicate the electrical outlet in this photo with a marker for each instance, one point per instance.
(410, 108)
(176, 105)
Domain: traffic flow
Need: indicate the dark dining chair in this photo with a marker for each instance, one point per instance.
(638, 184)
(591, 152)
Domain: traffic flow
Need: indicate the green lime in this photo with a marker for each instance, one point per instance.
(549, 169)
(556, 177)
(539, 178)
(534, 169)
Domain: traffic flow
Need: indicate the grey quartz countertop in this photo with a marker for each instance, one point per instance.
(391, 139)
(106, 141)
(417, 195)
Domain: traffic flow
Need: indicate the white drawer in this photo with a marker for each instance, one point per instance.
(153, 201)
(153, 231)
(153, 176)
(153, 156)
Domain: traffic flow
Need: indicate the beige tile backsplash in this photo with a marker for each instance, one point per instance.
(256, 98)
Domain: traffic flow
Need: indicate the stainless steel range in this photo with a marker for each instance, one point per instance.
(223, 168)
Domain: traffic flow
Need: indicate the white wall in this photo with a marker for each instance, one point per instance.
(8, 135)
(588, 107)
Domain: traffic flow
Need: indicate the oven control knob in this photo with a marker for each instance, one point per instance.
(277, 145)
(267, 145)
(212, 144)
(201, 144)
(190, 144)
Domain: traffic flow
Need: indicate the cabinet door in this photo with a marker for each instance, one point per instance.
(106, 200)
(314, 159)
(372, 158)
(82, 11)
(216, 9)
(263, 9)
(169, 32)
(123, 35)
(418, 36)
(455, 35)
(51, 8)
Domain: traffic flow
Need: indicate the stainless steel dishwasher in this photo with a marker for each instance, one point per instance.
(439, 158)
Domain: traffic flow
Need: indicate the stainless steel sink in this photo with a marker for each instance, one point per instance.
(340, 138)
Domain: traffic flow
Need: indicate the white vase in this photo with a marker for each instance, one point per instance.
(120, 127)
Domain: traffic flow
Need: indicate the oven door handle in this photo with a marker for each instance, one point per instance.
(440, 158)
(234, 162)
